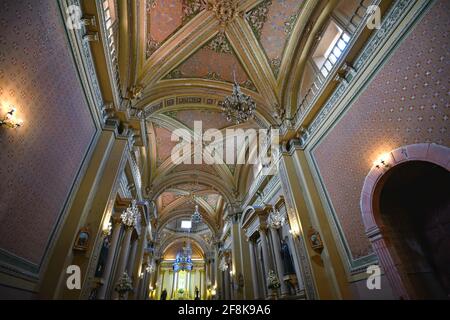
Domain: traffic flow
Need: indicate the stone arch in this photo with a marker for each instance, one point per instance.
(425, 152)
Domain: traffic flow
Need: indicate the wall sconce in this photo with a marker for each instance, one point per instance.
(107, 231)
(382, 161)
(294, 234)
(10, 120)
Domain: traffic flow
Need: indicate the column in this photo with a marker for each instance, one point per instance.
(117, 223)
(92, 205)
(236, 257)
(226, 280)
(131, 257)
(211, 272)
(300, 287)
(123, 257)
(279, 261)
(266, 257)
(207, 271)
(325, 280)
(174, 284)
(257, 294)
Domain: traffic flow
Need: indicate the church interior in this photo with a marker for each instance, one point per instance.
(224, 150)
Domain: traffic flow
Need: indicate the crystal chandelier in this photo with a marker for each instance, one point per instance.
(129, 216)
(223, 264)
(238, 107)
(183, 261)
(150, 268)
(276, 219)
(196, 216)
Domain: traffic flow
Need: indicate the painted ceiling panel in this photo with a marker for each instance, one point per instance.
(272, 22)
(212, 199)
(214, 61)
(164, 145)
(209, 119)
(167, 198)
(165, 17)
(196, 167)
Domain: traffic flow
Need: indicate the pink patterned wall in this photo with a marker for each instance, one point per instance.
(407, 102)
(40, 161)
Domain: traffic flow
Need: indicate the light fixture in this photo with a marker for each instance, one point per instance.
(183, 260)
(150, 268)
(107, 230)
(129, 216)
(238, 107)
(382, 161)
(276, 219)
(196, 216)
(10, 120)
(294, 231)
(223, 266)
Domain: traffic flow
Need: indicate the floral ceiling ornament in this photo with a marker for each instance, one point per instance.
(152, 46)
(150, 4)
(290, 24)
(220, 44)
(275, 65)
(191, 8)
(225, 10)
(174, 74)
(258, 16)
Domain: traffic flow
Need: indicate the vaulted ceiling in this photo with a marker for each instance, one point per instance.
(187, 54)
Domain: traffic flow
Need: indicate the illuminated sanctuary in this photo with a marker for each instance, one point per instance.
(224, 149)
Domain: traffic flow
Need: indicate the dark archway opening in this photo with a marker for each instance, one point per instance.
(415, 212)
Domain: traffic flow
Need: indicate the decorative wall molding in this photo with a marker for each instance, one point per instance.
(427, 152)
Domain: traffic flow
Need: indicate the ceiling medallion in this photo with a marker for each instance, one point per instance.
(238, 107)
(225, 10)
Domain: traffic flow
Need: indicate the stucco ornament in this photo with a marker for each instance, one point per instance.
(225, 10)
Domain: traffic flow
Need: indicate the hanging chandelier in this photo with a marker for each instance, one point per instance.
(196, 216)
(276, 219)
(129, 216)
(238, 107)
(183, 260)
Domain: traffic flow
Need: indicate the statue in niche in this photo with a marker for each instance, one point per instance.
(287, 259)
(102, 258)
(82, 241)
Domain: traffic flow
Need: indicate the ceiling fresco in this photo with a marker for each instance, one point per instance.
(189, 54)
(165, 17)
(272, 22)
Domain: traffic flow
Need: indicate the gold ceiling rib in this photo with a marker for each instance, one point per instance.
(160, 95)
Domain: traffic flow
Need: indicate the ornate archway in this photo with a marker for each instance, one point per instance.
(375, 229)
